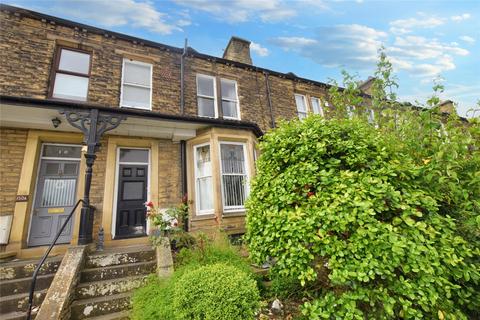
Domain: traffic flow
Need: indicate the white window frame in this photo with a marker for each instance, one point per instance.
(117, 173)
(321, 112)
(199, 212)
(237, 101)
(126, 60)
(304, 103)
(350, 111)
(215, 104)
(233, 209)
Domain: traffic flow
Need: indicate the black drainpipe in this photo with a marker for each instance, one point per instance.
(267, 84)
(183, 165)
(182, 78)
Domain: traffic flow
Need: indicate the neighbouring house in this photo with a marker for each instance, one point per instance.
(131, 121)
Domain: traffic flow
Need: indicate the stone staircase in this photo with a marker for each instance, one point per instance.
(107, 281)
(15, 279)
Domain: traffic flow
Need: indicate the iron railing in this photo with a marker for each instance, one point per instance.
(45, 255)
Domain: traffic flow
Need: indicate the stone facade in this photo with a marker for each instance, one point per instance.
(28, 51)
(12, 149)
(28, 46)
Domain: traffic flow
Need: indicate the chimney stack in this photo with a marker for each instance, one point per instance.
(238, 49)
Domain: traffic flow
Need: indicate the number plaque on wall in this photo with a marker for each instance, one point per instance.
(21, 198)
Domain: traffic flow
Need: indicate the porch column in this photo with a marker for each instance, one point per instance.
(93, 124)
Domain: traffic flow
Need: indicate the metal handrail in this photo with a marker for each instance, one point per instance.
(45, 255)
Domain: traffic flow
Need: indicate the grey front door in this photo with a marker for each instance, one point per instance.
(55, 195)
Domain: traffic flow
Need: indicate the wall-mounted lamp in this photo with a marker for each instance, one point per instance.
(56, 122)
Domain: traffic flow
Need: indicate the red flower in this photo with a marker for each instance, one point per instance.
(310, 194)
(149, 204)
(185, 198)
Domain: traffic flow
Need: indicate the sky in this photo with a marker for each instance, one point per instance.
(315, 39)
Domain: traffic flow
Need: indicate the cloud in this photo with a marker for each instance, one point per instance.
(135, 13)
(461, 17)
(236, 11)
(351, 45)
(467, 39)
(259, 50)
(403, 26)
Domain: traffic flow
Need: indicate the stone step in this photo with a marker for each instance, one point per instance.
(99, 306)
(108, 287)
(124, 315)
(126, 255)
(16, 286)
(24, 268)
(17, 315)
(19, 302)
(118, 271)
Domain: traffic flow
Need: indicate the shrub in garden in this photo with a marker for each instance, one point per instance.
(215, 292)
(342, 210)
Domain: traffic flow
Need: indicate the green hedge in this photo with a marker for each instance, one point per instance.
(342, 210)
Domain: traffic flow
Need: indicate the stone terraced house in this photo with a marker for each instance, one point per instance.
(115, 120)
(170, 121)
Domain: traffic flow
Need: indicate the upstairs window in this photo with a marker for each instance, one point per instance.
(136, 85)
(229, 99)
(317, 106)
(206, 96)
(350, 111)
(71, 75)
(234, 176)
(301, 106)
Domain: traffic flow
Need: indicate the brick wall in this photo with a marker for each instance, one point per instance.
(27, 48)
(12, 149)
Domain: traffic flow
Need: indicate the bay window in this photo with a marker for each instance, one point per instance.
(206, 96)
(203, 179)
(71, 74)
(301, 106)
(234, 178)
(136, 85)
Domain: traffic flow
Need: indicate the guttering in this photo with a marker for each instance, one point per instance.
(58, 104)
(269, 100)
(183, 166)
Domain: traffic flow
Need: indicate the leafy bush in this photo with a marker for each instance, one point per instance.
(156, 300)
(216, 292)
(342, 210)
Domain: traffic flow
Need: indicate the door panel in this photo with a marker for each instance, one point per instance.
(131, 198)
(54, 199)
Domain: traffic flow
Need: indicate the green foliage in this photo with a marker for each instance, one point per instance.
(216, 292)
(159, 299)
(351, 212)
(153, 301)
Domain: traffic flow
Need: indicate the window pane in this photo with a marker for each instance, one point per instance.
(134, 155)
(136, 97)
(229, 109)
(302, 115)
(300, 101)
(228, 90)
(58, 192)
(206, 107)
(233, 190)
(136, 74)
(74, 61)
(205, 194)
(205, 86)
(204, 165)
(133, 190)
(61, 151)
(316, 107)
(70, 169)
(70, 87)
(232, 157)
